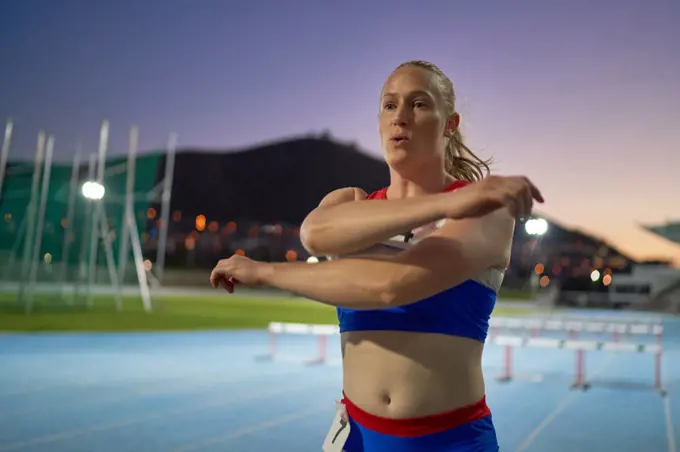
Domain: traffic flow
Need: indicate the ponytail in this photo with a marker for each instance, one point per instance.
(462, 163)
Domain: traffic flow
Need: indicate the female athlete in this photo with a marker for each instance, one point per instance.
(414, 274)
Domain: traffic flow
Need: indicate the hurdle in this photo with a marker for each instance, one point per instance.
(575, 327)
(580, 348)
(607, 319)
(320, 332)
(508, 342)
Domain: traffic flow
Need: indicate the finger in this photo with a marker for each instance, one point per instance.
(222, 283)
(229, 286)
(232, 284)
(226, 285)
(535, 192)
(217, 278)
(525, 197)
(516, 192)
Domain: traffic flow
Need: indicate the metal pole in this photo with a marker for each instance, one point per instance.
(139, 261)
(110, 262)
(30, 214)
(96, 214)
(129, 203)
(165, 207)
(15, 250)
(72, 196)
(83, 238)
(4, 153)
(45, 193)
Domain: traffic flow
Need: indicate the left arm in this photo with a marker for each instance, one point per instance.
(461, 249)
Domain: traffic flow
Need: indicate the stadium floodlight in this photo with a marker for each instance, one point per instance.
(536, 226)
(93, 190)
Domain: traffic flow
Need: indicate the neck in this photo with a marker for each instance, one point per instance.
(422, 182)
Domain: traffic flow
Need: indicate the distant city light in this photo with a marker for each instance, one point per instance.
(536, 226)
(93, 190)
(200, 222)
(594, 275)
(291, 255)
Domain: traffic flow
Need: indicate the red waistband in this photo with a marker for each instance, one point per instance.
(417, 426)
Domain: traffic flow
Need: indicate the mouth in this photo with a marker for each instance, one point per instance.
(399, 139)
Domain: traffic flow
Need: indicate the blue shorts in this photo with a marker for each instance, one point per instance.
(474, 435)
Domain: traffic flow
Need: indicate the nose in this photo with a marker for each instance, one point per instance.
(401, 116)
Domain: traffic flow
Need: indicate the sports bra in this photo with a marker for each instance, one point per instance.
(463, 310)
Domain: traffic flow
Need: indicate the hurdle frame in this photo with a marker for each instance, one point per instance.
(320, 332)
(507, 342)
(580, 347)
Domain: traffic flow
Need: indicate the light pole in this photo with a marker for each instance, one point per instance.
(536, 228)
(95, 191)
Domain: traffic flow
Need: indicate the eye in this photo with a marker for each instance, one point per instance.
(389, 105)
(419, 104)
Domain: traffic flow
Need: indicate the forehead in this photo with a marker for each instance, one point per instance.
(410, 79)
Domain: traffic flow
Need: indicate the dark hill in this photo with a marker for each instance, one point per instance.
(279, 182)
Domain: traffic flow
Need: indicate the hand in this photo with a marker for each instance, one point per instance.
(516, 193)
(237, 270)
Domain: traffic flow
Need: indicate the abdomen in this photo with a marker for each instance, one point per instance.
(399, 374)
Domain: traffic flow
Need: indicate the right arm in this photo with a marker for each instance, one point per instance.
(345, 222)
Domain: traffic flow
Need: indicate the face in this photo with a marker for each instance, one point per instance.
(413, 124)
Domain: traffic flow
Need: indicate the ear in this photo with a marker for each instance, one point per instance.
(452, 124)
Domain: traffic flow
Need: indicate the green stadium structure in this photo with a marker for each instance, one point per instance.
(669, 231)
(16, 194)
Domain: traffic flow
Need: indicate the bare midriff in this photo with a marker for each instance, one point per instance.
(397, 374)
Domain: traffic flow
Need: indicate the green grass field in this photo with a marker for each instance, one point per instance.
(171, 313)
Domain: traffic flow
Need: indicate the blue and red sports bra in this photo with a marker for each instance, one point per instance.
(463, 310)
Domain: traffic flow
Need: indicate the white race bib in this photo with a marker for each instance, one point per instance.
(339, 431)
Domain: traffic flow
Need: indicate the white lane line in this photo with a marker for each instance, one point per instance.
(218, 402)
(564, 403)
(254, 428)
(173, 387)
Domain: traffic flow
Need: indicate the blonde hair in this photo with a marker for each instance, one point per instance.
(459, 160)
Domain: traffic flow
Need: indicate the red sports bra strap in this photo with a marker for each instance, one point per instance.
(455, 185)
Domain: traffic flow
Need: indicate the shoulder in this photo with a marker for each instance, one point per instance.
(342, 195)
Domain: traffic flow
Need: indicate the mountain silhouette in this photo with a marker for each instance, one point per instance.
(278, 182)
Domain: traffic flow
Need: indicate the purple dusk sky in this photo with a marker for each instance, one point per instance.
(581, 96)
